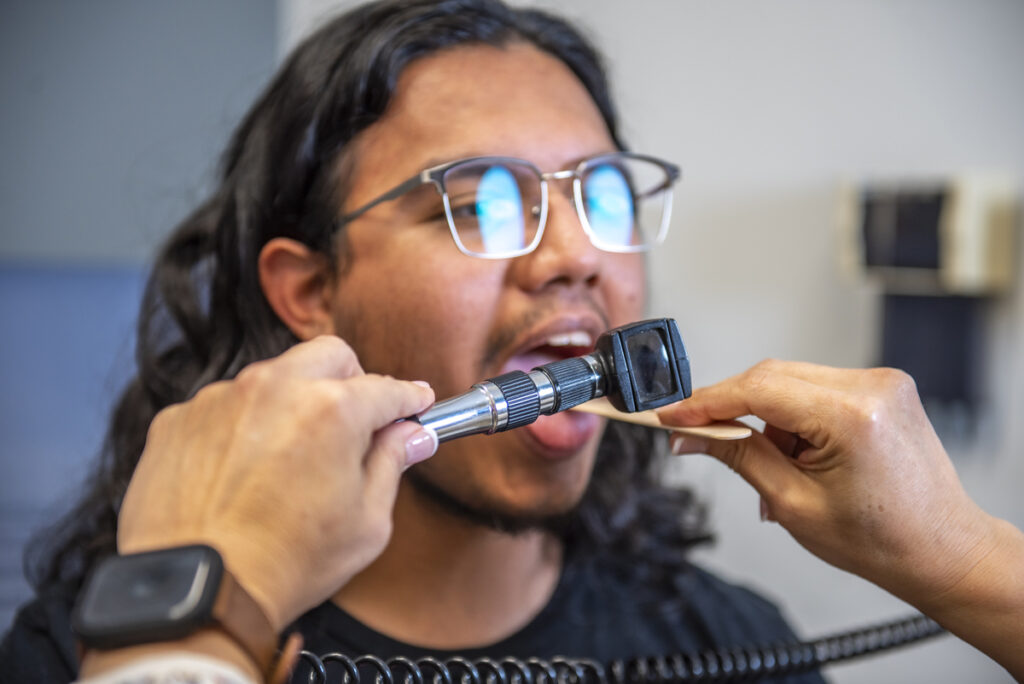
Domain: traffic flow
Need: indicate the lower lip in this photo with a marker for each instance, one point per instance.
(563, 434)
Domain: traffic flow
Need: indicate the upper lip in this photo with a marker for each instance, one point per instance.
(539, 334)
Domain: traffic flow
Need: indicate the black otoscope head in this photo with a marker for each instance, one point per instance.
(648, 365)
(639, 366)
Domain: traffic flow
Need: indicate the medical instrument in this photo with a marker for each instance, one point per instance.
(638, 367)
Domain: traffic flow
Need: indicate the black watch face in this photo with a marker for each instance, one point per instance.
(147, 597)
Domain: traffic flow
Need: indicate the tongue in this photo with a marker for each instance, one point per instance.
(564, 432)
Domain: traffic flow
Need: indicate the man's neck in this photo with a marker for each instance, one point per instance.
(486, 584)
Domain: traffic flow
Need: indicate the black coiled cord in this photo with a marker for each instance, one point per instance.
(723, 665)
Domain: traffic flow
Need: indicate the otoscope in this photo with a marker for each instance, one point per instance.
(638, 366)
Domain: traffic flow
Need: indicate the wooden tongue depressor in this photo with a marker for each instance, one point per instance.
(603, 407)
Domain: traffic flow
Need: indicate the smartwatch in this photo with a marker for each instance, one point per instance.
(166, 595)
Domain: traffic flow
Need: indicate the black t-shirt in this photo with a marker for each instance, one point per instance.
(599, 610)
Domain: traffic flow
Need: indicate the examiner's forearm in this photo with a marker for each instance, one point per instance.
(986, 607)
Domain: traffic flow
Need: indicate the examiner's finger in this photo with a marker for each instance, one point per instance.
(325, 356)
(826, 376)
(849, 379)
(786, 442)
(374, 400)
(395, 448)
(757, 460)
(782, 400)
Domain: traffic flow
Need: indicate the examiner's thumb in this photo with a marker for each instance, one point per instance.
(394, 449)
(756, 459)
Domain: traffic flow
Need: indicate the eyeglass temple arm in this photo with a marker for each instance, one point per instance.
(393, 193)
(673, 174)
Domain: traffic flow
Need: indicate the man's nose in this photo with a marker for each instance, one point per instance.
(565, 254)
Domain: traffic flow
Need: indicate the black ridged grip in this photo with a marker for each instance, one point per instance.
(521, 396)
(573, 380)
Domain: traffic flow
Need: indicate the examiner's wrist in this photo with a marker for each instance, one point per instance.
(986, 606)
(974, 569)
(158, 600)
(252, 568)
(988, 577)
(922, 556)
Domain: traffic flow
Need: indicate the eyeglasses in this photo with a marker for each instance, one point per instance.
(496, 207)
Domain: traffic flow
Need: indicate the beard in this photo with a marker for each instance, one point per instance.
(557, 523)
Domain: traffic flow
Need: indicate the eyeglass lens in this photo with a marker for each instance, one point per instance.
(491, 206)
(625, 200)
(495, 207)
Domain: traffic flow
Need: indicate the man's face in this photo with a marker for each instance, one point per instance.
(413, 306)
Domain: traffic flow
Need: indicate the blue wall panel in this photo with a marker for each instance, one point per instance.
(65, 351)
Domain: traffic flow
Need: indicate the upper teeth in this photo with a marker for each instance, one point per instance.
(577, 338)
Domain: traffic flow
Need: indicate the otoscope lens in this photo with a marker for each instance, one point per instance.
(652, 373)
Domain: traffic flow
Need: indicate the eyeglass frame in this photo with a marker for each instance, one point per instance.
(435, 176)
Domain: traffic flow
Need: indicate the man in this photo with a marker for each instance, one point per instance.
(503, 545)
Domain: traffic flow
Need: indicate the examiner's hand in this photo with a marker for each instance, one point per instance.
(851, 466)
(848, 463)
(290, 471)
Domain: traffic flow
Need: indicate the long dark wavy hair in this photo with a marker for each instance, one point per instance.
(204, 316)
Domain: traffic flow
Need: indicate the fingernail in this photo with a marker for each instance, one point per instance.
(421, 383)
(689, 444)
(420, 446)
(764, 510)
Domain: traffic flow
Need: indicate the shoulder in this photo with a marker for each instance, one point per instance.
(39, 646)
(685, 610)
(623, 608)
(734, 610)
(690, 600)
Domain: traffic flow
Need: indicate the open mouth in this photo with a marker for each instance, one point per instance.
(563, 434)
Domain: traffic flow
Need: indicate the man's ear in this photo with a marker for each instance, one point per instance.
(296, 281)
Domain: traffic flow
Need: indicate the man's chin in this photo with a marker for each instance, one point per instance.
(491, 516)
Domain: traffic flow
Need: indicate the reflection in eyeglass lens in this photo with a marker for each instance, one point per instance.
(609, 202)
(499, 211)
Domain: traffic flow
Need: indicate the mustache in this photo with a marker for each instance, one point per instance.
(503, 337)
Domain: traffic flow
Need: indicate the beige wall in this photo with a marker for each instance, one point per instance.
(768, 106)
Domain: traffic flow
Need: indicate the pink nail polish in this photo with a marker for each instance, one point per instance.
(421, 446)
(689, 444)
